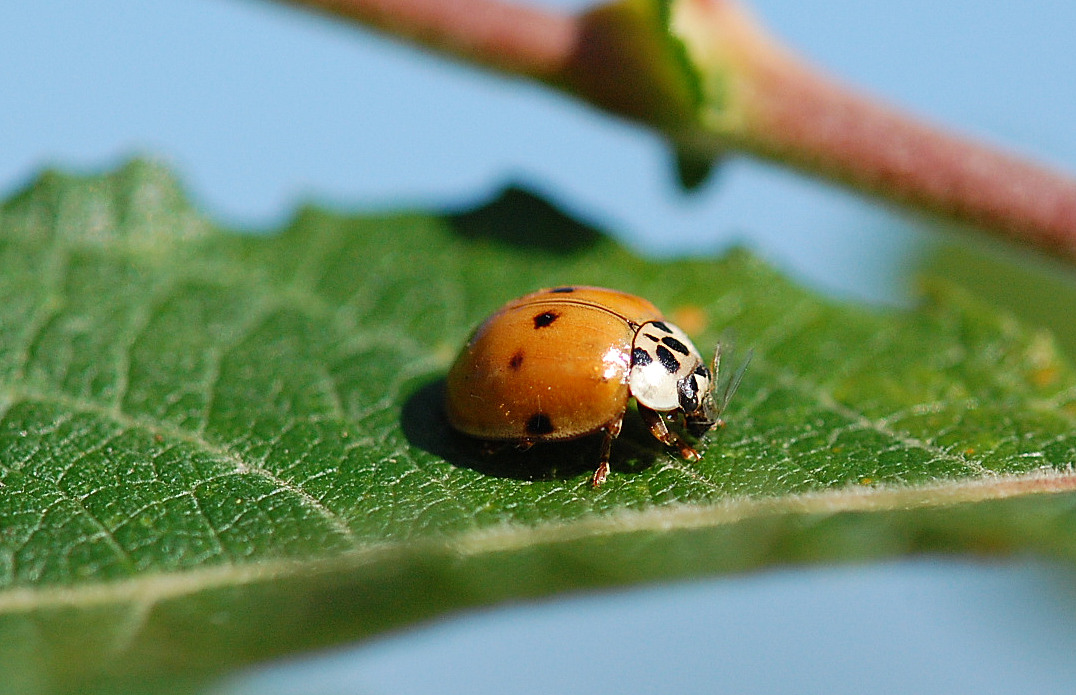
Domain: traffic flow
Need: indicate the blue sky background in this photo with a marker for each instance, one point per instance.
(259, 107)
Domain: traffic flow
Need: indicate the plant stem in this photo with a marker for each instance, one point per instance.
(526, 41)
(785, 111)
(801, 118)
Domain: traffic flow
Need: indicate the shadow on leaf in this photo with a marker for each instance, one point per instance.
(520, 218)
(426, 427)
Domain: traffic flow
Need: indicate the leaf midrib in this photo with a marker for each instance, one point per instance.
(148, 589)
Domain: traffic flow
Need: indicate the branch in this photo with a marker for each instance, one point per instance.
(704, 74)
(510, 38)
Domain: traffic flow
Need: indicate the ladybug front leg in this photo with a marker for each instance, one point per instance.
(663, 434)
(612, 431)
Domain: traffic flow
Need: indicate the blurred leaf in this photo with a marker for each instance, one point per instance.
(1040, 291)
(219, 448)
(692, 170)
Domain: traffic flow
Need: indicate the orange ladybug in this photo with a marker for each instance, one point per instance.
(563, 363)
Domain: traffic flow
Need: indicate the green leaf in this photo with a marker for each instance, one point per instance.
(218, 448)
(1041, 291)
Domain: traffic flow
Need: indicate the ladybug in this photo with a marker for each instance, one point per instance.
(564, 362)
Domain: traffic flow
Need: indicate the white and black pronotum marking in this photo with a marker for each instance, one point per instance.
(667, 372)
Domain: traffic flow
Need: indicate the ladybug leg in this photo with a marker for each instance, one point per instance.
(663, 434)
(612, 431)
(491, 448)
(496, 448)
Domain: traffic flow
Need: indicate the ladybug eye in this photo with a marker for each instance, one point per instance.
(688, 393)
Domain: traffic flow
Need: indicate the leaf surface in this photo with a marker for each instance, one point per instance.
(218, 448)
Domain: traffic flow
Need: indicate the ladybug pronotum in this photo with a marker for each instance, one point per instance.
(563, 363)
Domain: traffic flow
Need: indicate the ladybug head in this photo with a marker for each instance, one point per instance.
(707, 412)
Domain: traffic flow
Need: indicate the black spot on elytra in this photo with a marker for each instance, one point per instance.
(667, 359)
(675, 344)
(562, 290)
(661, 326)
(539, 423)
(652, 337)
(425, 425)
(544, 319)
(688, 388)
(640, 357)
(516, 361)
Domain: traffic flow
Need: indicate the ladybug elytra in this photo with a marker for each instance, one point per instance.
(563, 363)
